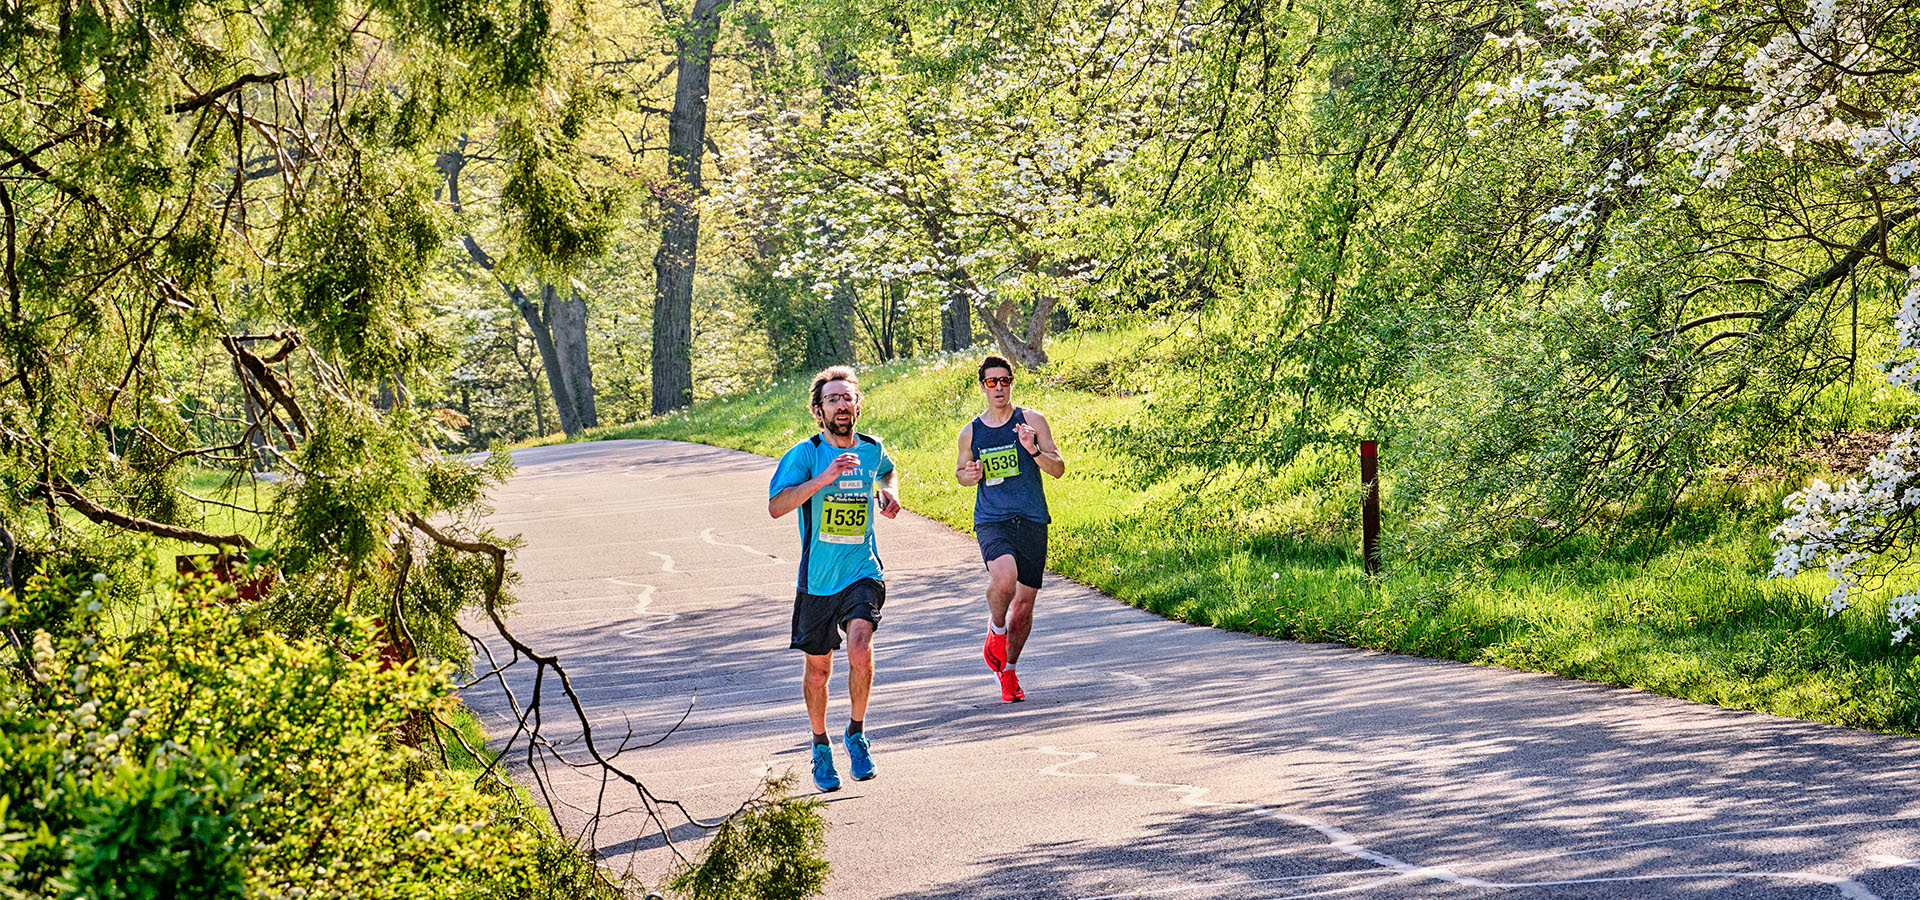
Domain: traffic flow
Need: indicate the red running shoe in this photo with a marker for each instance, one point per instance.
(1010, 691)
(995, 651)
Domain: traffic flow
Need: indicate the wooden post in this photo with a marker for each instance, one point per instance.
(1370, 508)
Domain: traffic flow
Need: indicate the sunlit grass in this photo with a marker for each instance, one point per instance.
(1684, 609)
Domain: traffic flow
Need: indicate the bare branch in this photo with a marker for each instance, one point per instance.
(265, 377)
(529, 714)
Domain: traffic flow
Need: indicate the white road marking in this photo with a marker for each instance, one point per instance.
(1191, 794)
(666, 563)
(1339, 839)
(641, 602)
(1707, 835)
(708, 536)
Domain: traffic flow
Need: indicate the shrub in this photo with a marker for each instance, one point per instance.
(198, 754)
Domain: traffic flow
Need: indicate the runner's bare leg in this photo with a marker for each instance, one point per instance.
(1001, 575)
(859, 666)
(814, 686)
(1019, 619)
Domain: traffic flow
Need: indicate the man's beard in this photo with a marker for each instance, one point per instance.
(837, 428)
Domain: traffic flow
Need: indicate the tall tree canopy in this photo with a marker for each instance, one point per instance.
(218, 225)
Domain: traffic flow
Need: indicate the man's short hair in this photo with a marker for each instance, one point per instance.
(833, 373)
(994, 362)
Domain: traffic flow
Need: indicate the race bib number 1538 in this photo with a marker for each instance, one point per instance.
(999, 463)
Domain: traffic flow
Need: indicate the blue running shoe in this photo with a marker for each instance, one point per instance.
(859, 755)
(824, 777)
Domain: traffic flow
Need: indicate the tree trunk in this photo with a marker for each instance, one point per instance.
(1029, 350)
(956, 322)
(538, 403)
(258, 442)
(568, 319)
(549, 360)
(838, 78)
(822, 350)
(451, 163)
(904, 343)
(673, 263)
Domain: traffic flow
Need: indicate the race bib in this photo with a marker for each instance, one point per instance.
(999, 464)
(843, 518)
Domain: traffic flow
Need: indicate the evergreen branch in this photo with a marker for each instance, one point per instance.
(25, 157)
(193, 103)
(101, 515)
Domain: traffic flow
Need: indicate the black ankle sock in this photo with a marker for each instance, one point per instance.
(820, 738)
(853, 726)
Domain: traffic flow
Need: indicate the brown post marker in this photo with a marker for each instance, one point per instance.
(1370, 508)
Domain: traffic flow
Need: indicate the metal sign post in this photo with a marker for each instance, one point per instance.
(1370, 508)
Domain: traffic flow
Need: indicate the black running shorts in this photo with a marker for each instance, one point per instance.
(819, 619)
(1023, 539)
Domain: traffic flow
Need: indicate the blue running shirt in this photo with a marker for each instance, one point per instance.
(836, 524)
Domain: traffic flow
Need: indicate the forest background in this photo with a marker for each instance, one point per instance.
(1608, 279)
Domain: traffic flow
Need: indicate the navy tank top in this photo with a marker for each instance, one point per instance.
(1009, 479)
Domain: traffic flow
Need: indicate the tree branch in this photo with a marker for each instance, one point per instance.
(528, 715)
(193, 103)
(1796, 297)
(265, 377)
(104, 516)
(12, 260)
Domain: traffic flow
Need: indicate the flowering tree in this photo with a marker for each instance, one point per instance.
(1726, 197)
(1750, 179)
(969, 168)
(1871, 523)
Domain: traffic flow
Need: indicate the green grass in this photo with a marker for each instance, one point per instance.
(1687, 612)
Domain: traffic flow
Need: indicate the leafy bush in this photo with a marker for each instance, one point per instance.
(199, 754)
(769, 851)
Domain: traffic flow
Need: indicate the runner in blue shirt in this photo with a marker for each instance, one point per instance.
(1003, 451)
(835, 479)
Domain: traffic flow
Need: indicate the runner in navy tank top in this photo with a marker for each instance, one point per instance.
(1001, 454)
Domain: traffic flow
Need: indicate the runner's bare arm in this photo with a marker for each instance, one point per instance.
(789, 499)
(890, 494)
(1046, 454)
(965, 467)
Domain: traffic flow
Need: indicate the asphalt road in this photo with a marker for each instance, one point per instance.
(1152, 758)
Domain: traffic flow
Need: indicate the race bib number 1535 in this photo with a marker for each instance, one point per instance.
(843, 518)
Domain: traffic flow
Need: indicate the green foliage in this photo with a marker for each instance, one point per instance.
(201, 755)
(162, 827)
(341, 522)
(558, 218)
(364, 241)
(361, 474)
(216, 249)
(771, 850)
(1675, 599)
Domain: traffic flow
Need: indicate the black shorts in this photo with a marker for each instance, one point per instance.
(818, 620)
(1023, 539)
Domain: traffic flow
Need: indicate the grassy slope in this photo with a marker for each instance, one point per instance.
(1691, 615)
